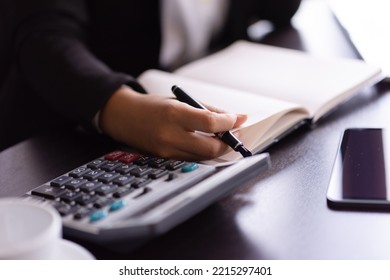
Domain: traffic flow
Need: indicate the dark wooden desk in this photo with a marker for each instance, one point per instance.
(283, 213)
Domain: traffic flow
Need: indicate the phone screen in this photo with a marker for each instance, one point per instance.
(361, 170)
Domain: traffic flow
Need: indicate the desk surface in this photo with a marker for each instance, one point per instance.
(283, 213)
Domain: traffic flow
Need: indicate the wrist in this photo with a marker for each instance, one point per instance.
(114, 110)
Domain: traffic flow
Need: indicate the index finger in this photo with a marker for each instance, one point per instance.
(206, 121)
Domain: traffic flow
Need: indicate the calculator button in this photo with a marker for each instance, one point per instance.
(86, 199)
(70, 196)
(158, 162)
(141, 182)
(93, 174)
(122, 192)
(125, 168)
(114, 155)
(79, 172)
(158, 173)
(103, 201)
(110, 166)
(60, 181)
(129, 158)
(141, 171)
(83, 212)
(97, 216)
(65, 209)
(143, 160)
(174, 164)
(90, 186)
(189, 167)
(124, 180)
(108, 177)
(48, 192)
(106, 189)
(96, 163)
(75, 184)
(117, 205)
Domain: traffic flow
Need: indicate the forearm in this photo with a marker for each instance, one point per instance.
(56, 63)
(67, 76)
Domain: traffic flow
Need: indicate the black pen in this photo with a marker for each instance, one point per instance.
(226, 136)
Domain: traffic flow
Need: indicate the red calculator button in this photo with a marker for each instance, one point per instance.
(129, 158)
(114, 155)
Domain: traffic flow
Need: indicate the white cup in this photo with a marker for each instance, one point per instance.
(32, 230)
(28, 230)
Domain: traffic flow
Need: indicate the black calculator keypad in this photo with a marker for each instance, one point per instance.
(96, 189)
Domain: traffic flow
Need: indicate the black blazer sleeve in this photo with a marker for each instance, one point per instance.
(279, 12)
(53, 58)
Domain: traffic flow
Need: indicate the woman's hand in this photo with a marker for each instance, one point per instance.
(165, 127)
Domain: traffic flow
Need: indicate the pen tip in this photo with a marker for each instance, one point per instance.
(244, 151)
(174, 87)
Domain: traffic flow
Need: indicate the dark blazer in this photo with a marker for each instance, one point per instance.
(62, 59)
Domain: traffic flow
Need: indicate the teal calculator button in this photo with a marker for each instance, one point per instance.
(119, 204)
(97, 216)
(189, 167)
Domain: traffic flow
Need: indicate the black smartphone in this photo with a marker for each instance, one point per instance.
(361, 173)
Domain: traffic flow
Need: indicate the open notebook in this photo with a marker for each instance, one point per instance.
(278, 88)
